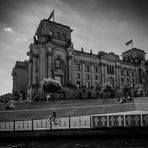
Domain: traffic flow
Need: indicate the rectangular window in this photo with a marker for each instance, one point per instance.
(96, 77)
(107, 69)
(132, 74)
(95, 69)
(58, 64)
(122, 73)
(78, 84)
(78, 75)
(128, 80)
(87, 84)
(87, 77)
(110, 69)
(127, 73)
(78, 67)
(122, 79)
(133, 81)
(87, 69)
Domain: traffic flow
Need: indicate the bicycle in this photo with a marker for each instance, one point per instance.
(53, 120)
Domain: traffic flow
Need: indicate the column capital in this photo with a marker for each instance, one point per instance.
(35, 46)
(49, 53)
(32, 55)
(49, 45)
(70, 57)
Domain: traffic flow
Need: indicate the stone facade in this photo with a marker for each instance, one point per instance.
(52, 55)
(20, 79)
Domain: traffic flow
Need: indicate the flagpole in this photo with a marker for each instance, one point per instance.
(53, 15)
(132, 44)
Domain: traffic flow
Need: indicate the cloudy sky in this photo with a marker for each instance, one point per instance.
(98, 25)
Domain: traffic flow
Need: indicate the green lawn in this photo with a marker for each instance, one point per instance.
(44, 109)
(49, 104)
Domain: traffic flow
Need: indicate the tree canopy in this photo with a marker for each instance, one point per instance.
(50, 85)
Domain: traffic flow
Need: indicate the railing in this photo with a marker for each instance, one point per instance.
(94, 121)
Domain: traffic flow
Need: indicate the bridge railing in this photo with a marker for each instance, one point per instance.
(93, 121)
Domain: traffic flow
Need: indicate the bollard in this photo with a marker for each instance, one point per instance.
(50, 124)
(41, 123)
(107, 121)
(14, 125)
(90, 122)
(124, 120)
(23, 123)
(80, 121)
(69, 123)
(32, 124)
(5, 125)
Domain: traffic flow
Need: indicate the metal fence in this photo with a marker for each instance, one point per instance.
(94, 121)
(43, 124)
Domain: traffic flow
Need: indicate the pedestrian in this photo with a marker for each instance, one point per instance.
(47, 97)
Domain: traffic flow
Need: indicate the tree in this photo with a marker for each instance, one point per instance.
(126, 90)
(107, 90)
(50, 85)
(139, 89)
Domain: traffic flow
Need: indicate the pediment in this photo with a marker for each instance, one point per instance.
(111, 57)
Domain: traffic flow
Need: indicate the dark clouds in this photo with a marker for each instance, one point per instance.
(121, 10)
(98, 25)
(11, 9)
(135, 12)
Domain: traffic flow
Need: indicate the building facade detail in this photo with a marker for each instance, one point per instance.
(53, 55)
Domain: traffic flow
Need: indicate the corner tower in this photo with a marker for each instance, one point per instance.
(50, 54)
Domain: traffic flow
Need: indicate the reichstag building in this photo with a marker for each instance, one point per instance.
(52, 54)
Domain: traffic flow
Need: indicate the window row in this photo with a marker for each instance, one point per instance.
(88, 84)
(127, 80)
(87, 76)
(110, 69)
(127, 73)
(87, 68)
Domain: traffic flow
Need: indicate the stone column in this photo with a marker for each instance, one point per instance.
(70, 69)
(33, 53)
(43, 62)
(103, 73)
(130, 75)
(49, 70)
(72, 73)
(49, 59)
(119, 77)
(83, 74)
(136, 75)
(116, 75)
(34, 70)
(92, 74)
(30, 72)
(100, 73)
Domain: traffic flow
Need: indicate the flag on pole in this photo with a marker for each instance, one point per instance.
(51, 16)
(129, 42)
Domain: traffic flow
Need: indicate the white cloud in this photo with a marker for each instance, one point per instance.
(21, 39)
(8, 29)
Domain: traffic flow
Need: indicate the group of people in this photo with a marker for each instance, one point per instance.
(125, 100)
(10, 105)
